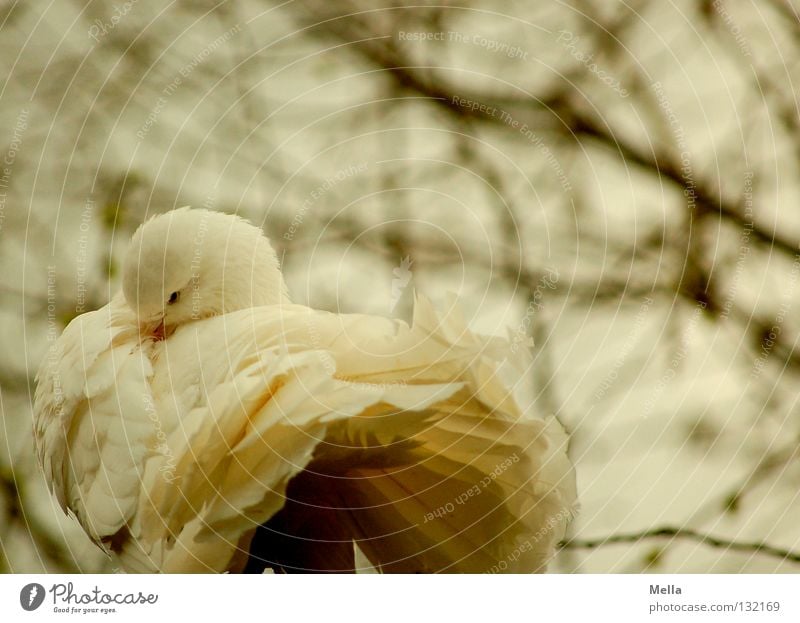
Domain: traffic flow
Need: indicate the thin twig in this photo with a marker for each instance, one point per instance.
(683, 533)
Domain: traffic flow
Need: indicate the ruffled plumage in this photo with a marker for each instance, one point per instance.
(228, 430)
(172, 453)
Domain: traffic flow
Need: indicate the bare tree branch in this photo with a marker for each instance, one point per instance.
(684, 533)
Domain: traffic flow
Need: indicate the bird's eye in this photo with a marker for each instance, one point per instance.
(173, 298)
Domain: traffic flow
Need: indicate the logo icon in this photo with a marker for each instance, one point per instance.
(31, 596)
(402, 276)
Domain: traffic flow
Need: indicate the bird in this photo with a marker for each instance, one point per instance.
(201, 422)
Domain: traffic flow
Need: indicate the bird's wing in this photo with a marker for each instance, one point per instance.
(486, 484)
(400, 420)
(254, 398)
(91, 419)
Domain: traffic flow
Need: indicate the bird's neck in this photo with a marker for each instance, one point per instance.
(260, 278)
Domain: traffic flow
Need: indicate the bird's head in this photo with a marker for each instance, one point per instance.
(190, 264)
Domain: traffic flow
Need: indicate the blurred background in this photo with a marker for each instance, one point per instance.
(617, 180)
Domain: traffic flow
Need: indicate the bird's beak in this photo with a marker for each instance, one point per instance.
(158, 332)
(153, 329)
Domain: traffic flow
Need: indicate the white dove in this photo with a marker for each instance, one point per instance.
(200, 422)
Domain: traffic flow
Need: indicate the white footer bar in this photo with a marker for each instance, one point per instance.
(374, 599)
